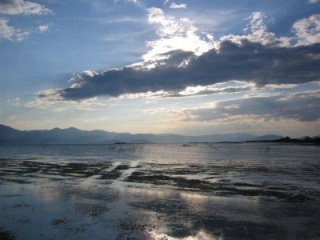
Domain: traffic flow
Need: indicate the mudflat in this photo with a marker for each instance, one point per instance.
(199, 191)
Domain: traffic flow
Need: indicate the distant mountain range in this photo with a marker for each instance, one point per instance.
(10, 135)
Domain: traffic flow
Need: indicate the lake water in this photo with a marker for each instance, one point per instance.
(160, 191)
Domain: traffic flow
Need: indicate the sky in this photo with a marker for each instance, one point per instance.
(161, 66)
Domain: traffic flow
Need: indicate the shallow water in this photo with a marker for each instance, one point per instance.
(173, 191)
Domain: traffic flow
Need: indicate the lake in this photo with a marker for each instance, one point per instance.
(160, 191)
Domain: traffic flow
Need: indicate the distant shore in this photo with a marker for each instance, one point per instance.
(306, 140)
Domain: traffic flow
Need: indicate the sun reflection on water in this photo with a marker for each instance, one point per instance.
(201, 235)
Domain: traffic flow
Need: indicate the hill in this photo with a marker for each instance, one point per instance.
(9, 135)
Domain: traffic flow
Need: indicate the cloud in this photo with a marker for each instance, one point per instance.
(186, 62)
(177, 6)
(43, 28)
(248, 61)
(14, 101)
(52, 98)
(129, 1)
(307, 30)
(46, 98)
(216, 89)
(175, 34)
(257, 31)
(6, 32)
(301, 106)
(149, 95)
(314, 1)
(10, 33)
(219, 88)
(17, 7)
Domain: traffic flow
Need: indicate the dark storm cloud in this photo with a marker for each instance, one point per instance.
(248, 61)
(298, 106)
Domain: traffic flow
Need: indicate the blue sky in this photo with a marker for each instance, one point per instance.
(161, 66)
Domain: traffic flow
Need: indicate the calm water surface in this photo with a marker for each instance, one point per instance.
(160, 191)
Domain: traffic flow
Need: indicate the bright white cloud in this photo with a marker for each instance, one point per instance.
(20, 7)
(43, 28)
(10, 33)
(149, 95)
(219, 88)
(307, 30)
(256, 31)
(279, 86)
(130, 1)
(78, 81)
(6, 32)
(175, 34)
(177, 6)
(16, 7)
(257, 24)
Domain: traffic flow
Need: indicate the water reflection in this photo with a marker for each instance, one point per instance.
(201, 235)
(153, 195)
(48, 192)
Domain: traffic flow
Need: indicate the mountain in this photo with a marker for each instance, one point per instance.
(269, 137)
(10, 135)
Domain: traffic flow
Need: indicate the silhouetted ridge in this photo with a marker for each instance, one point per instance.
(73, 135)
